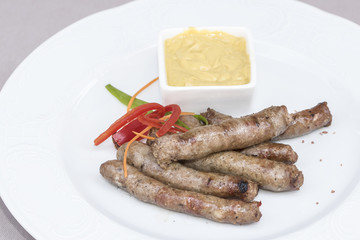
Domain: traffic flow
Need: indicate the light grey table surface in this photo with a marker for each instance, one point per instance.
(25, 24)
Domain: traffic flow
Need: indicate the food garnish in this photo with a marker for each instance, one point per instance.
(126, 133)
(136, 123)
(125, 119)
(138, 92)
(128, 145)
(124, 98)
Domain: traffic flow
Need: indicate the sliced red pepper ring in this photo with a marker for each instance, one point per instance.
(129, 116)
(154, 115)
(153, 122)
(175, 126)
(175, 114)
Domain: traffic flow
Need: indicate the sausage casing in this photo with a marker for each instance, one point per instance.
(149, 190)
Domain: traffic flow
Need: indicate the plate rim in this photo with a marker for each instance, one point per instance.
(6, 199)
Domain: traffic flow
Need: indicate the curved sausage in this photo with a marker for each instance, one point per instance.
(149, 190)
(270, 175)
(235, 133)
(307, 121)
(178, 176)
(273, 151)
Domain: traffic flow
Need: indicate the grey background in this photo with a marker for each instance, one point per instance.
(25, 24)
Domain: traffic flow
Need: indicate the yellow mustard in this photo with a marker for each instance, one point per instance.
(206, 58)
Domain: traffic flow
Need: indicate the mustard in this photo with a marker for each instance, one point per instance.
(206, 58)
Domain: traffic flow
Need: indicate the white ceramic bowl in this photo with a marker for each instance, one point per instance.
(199, 98)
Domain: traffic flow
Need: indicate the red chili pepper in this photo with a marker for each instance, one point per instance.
(129, 116)
(175, 114)
(125, 134)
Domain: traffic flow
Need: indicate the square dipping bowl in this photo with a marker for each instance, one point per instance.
(235, 99)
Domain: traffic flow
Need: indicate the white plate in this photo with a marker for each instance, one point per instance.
(55, 104)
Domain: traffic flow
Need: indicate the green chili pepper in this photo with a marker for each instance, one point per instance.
(123, 97)
(201, 119)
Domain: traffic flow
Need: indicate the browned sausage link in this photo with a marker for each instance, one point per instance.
(273, 151)
(231, 134)
(214, 117)
(190, 121)
(152, 191)
(307, 121)
(270, 175)
(181, 177)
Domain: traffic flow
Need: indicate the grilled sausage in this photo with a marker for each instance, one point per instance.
(307, 121)
(270, 175)
(273, 151)
(178, 176)
(149, 190)
(303, 122)
(215, 117)
(190, 121)
(235, 133)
